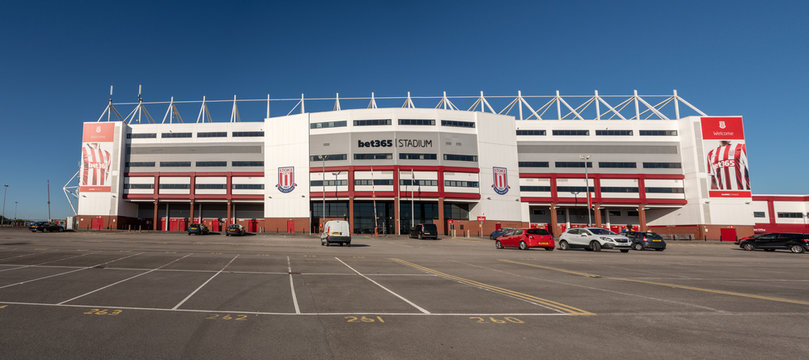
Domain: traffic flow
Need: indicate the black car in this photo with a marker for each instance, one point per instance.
(197, 229)
(235, 230)
(498, 233)
(645, 240)
(795, 242)
(45, 226)
(424, 231)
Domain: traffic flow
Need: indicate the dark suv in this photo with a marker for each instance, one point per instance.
(645, 240)
(424, 231)
(795, 242)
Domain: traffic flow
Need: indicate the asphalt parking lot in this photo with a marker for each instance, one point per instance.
(169, 296)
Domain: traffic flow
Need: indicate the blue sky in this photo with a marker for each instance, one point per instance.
(58, 59)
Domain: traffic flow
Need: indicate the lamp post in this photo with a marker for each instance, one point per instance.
(586, 157)
(323, 187)
(412, 197)
(575, 200)
(15, 212)
(5, 191)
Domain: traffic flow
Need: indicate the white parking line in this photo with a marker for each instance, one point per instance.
(292, 287)
(67, 272)
(16, 256)
(42, 263)
(118, 282)
(419, 308)
(203, 284)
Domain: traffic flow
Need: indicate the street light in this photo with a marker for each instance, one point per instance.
(586, 157)
(323, 187)
(5, 191)
(575, 200)
(15, 212)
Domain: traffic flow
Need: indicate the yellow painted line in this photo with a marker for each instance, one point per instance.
(549, 303)
(552, 268)
(673, 286)
(712, 291)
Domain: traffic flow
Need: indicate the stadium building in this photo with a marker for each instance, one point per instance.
(545, 161)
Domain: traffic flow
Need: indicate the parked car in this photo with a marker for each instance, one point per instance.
(795, 242)
(45, 226)
(645, 240)
(424, 231)
(235, 229)
(593, 239)
(197, 229)
(336, 231)
(525, 239)
(499, 232)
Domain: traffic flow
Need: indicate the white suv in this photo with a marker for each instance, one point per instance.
(593, 239)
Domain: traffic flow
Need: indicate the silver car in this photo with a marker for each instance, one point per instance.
(593, 239)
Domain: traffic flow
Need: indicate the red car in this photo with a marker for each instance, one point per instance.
(525, 239)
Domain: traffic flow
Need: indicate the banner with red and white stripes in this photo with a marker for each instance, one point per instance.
(725, 157)
(96, 157)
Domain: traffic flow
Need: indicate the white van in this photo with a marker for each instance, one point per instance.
(336, 231)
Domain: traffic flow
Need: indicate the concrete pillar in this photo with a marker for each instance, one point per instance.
(351, 214)
(440, 224)
(554, 221)
(597, 211)
(642, 217)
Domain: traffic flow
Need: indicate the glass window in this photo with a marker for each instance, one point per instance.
(530, 132)
(141, 136)
(372, 122)
(617, 165)
(327, 124)
(658, 132)
(247, 186)
(538, 232)
(416, 156)
(327, 157)
(790, 215)
(599, 231)
(456, 183)
(418, 182)
(615, 212)
(665, 190)
(174, 186)
(211, 163)
(613, 132)
(175, 135)
(138, 186)
(247, 133)
(453, 123)
(618, 189)
(456, 157)
(578, 189)
(573, 164)
(175, 164)
(338, 182)
(247, 163)
(759, 214)
(376, 182)
(571, 132)
(539, 164)
(632, 213)
(535, 188)
(212, 134)
(373, 156)
(423, 122)
(140, 164)
(662, 165)
(210, 186)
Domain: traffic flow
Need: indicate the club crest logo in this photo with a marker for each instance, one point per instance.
(500, 185)
(286, 179)
(98, 129)
(722, 124)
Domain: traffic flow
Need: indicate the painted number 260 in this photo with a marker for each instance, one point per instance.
(494, 320)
